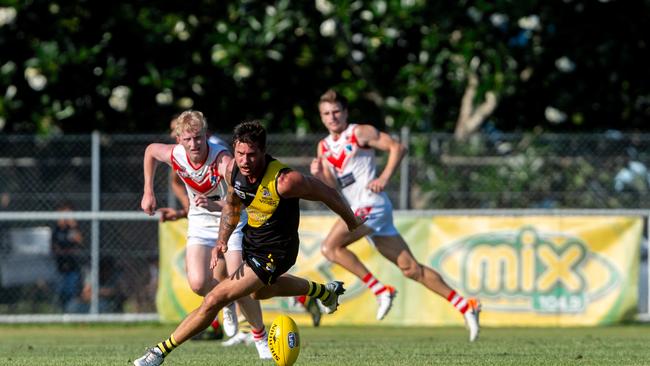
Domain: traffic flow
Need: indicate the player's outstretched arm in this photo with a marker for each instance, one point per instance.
(368, 135)
(292, 184)
(152, 155)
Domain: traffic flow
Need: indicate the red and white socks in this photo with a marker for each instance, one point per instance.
(259, 334)
(458, 301)
(374, 285)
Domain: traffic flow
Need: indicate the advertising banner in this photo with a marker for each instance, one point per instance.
(526, 270)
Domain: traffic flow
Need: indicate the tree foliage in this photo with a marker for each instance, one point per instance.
(126, 67)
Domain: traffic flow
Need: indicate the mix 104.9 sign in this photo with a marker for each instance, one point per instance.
(533, 268)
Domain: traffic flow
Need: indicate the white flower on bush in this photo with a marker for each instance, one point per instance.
(554, 115)
(328, 28)
(197, 88)
(324, 6)
(186, 102)
(242, 71)
(498, 19)
(11, 92)
(565, 64)
(380, 7)
(530, 22)
(180, 29)
(35, 79)
(165, 97)
(218, 53)
(119, 99)
(7, 16)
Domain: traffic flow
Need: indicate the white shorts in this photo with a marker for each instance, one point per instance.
(380, 219)
(200, 232)
(234, 242)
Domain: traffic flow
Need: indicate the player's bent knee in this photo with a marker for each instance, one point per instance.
(199, 287)
(215, 300)
(327, 251)
(413, 272)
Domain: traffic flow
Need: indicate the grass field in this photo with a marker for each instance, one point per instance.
(113, 344)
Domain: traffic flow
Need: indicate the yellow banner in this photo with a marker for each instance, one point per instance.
(532, 270)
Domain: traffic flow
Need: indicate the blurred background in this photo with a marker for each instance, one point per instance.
(503, 105)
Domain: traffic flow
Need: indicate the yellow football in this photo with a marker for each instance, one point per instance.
(284, 341)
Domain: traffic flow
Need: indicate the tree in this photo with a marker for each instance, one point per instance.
(121, 67)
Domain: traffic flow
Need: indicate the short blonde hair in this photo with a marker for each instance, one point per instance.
(189, 121)
(332, 96)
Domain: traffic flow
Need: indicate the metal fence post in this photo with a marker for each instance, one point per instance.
(94, 228)
(646, 239)
(404, 170)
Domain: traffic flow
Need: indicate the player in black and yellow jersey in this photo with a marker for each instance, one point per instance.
(270, 191)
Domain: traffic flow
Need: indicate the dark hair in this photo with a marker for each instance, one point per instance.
(250, 132)
(331, 96)
(65, 206)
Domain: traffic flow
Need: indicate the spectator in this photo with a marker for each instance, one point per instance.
(67, 247)
(111, 296)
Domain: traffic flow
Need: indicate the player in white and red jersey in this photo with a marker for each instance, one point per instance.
(178, 187)
(346, 159)
(200, 164)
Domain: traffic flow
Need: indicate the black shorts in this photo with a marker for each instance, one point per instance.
(270, 261)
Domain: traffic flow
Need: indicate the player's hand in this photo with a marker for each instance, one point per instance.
(377, 185)
(201, 200)
(217, 252)
(169, 214)
(316, 167)
(148, 203)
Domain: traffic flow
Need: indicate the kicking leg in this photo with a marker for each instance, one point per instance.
(224, 293)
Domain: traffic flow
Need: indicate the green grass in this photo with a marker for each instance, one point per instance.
(113, 344)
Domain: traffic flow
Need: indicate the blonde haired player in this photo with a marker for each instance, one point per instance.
(200, 163)
(346, 159)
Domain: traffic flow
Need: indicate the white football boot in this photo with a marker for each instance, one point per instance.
(153, 357)
(230, 324)
(239, 338)
(385, 302)
(330, 305)
(472, 318)
(263, 348)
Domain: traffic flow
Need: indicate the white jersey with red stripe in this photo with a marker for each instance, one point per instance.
(201, 179)
(354, 167)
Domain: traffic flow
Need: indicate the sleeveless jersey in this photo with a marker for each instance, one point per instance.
(354, 167)
(272, 220)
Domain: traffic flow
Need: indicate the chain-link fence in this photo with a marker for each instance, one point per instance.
(104, 173)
